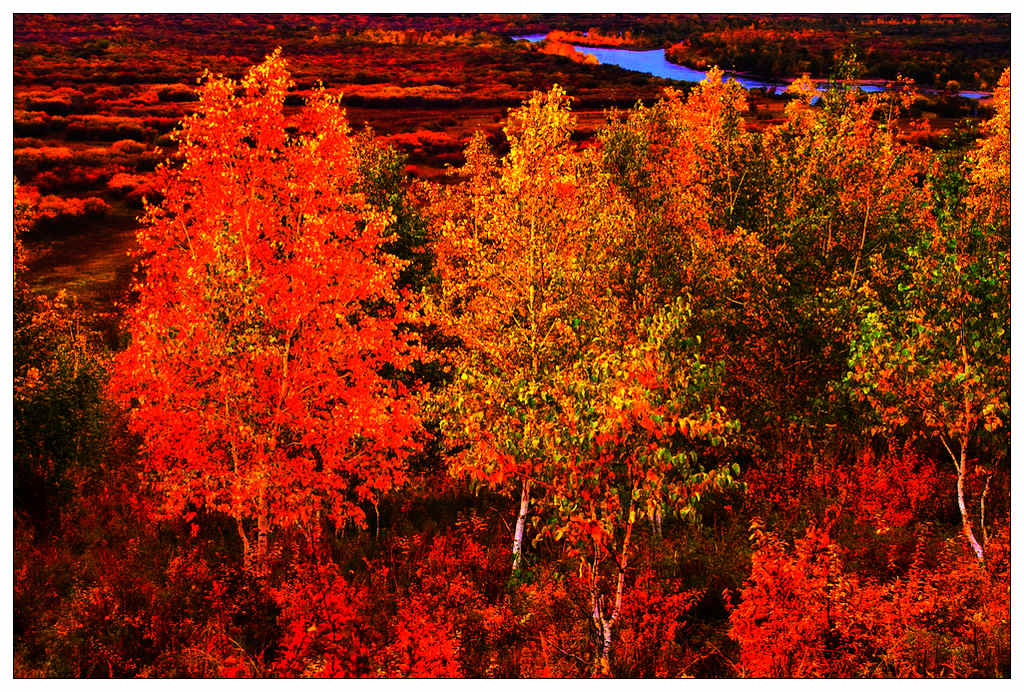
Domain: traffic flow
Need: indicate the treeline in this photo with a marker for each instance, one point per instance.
(931, 50)
(684, 399)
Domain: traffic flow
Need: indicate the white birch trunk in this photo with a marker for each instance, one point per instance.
(517, 542)
(961, 474)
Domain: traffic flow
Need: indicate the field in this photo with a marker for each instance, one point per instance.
(92, 114)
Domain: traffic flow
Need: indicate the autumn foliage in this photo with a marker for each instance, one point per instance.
(682, 398)
(804, 613)
(267, 319)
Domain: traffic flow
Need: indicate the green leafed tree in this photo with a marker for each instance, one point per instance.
(936, 361)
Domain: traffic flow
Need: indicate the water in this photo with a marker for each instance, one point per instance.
(653, 62)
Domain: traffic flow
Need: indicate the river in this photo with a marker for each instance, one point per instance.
(653, 62)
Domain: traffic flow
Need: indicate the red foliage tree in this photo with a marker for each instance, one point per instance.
(268, 320)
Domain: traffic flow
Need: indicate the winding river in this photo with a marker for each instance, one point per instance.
(653, 62)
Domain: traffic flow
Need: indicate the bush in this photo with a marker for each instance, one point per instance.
(804, 614)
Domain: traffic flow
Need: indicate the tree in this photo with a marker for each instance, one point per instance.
(557, 387)
(989, 202)
(641, 419)
(693, 174)
(522, 251)
(383, 181)
(682, 164)
(268, 320)
(935, 362)
(837, 199)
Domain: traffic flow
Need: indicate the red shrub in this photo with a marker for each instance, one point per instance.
(423, 641)
(132, 187)
(322, 617)
(887, 491)
(802, 614)
(653, 620)
(790, 621)
(127, 146)
(54, 209)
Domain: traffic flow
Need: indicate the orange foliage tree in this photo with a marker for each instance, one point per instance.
(681, 163)
(693, 172)
(837, 197)
(522, 253)
(267, 320)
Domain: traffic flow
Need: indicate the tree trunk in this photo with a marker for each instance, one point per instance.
(376, 516)
(656, 520)
(968, 529)
(604, 624)
(261, 546)
(606, 648)
(517, 543)
(246, 547)
(981, 518)
(255, 556)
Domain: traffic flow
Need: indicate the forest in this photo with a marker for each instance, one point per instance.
(381, 346)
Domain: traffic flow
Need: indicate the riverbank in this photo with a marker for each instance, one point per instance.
(656, 62)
